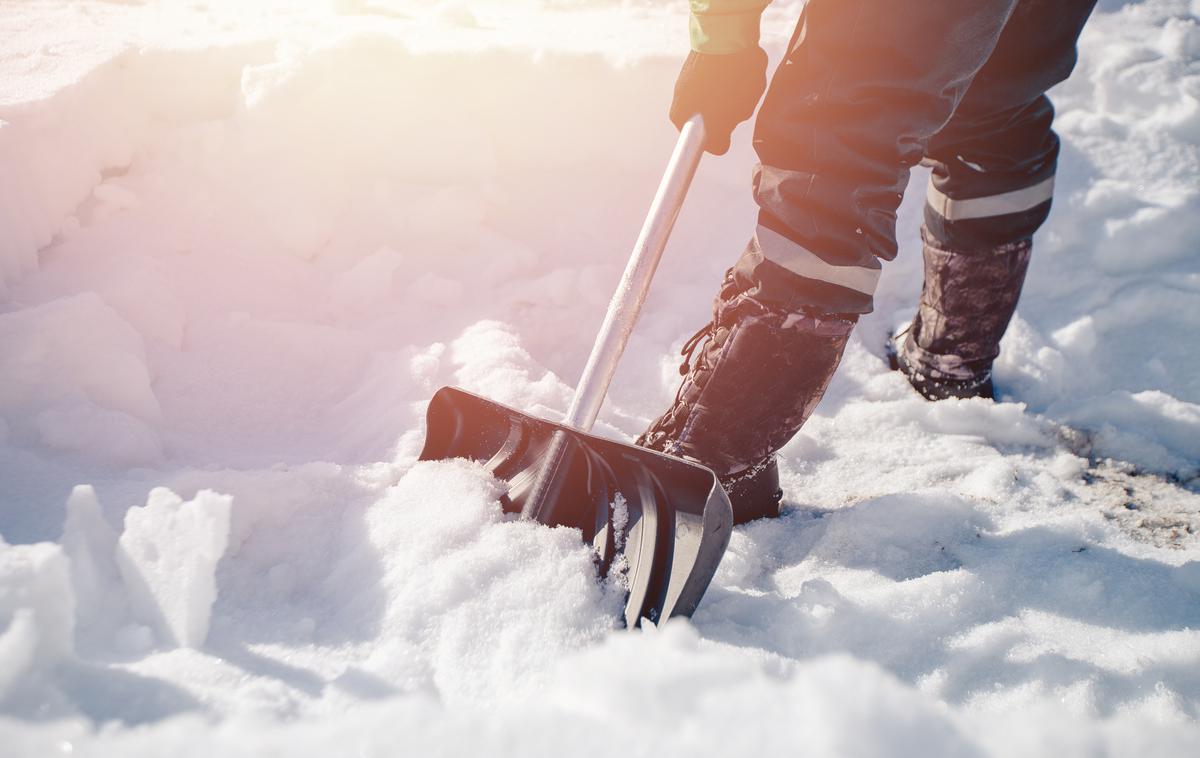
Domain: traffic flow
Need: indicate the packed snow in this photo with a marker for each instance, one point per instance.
(241, 244)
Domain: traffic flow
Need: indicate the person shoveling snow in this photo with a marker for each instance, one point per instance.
(866, 90)
(849, 111)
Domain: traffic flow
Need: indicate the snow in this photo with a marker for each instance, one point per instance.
(167, 556)
(242, 244)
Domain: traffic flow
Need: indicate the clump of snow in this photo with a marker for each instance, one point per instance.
(90, 545)
(167, 556)
(37, 620)
(478, 601)
(491, 361)
(75, 377)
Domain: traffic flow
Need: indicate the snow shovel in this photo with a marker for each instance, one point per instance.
(661, 523)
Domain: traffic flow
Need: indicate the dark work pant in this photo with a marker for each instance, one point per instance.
(868, 89)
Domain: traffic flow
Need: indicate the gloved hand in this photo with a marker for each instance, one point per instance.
(724, 89)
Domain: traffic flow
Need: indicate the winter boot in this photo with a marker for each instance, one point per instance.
(966, 303)
(931, 387)
(751, 377)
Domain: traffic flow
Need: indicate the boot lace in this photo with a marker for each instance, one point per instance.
(658, 436)
(689, 347)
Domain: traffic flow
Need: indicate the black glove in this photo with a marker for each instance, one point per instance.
(724, 89)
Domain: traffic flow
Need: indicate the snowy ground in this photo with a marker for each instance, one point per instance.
(240, 247)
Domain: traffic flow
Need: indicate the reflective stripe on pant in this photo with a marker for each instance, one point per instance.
(991, 188)
(863, 88)
(994, 162)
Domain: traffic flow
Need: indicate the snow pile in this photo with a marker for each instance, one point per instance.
(241, 259)
(473, 604)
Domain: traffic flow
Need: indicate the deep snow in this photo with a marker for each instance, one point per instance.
(241, 246)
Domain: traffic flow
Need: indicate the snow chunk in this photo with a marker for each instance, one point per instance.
(491, 361)
(18, 649)
(1077, 337)
(74, 373)
(1180, 39)
(37, 612)
(91, 546)
(168, 556)
(1150, 429)
(998, 423)
(471, 603)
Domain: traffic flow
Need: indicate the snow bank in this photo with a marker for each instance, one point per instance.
(366, 206)
(54, 154)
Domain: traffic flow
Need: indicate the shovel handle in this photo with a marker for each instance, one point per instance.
(631, 293)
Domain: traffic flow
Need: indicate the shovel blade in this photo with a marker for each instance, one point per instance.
(662, 521)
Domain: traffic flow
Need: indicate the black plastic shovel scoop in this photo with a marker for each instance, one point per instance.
(663, 523)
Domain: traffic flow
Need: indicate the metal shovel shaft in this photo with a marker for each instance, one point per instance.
(631, 293)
